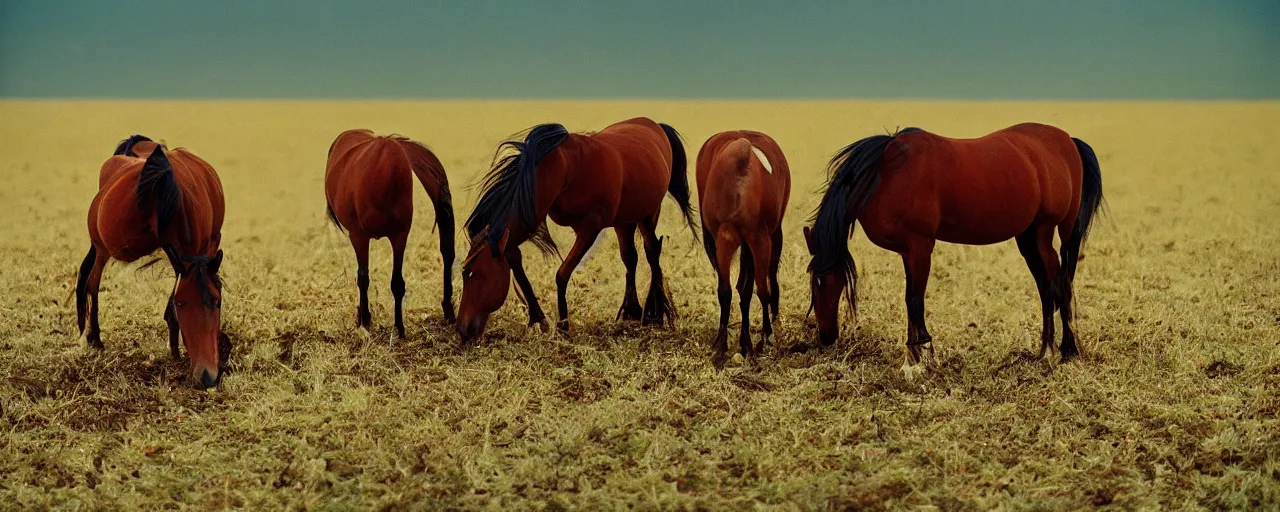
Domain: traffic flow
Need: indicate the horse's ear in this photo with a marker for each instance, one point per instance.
(808, 241)
(174, 260)
(502, 242)
(215, 263)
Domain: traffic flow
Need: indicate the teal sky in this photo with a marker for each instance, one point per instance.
(992, 49)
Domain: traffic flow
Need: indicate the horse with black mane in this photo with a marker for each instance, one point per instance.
(913, 188)
(148, 199)
(588, 182)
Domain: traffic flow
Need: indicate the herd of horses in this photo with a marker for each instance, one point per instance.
(908, 190)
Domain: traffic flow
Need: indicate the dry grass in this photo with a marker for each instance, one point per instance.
(1174, 404)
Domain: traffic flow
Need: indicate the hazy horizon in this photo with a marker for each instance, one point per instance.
(667, 49)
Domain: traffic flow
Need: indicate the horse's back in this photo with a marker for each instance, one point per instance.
(625, 167)
(368, 184)
(121, 229)
(973, 191)
(743, 180)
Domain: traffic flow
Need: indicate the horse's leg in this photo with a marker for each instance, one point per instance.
(1029, 246)
(725, 246)
(92, 335)
(773, 270)
(171, 318)
(764, 273)
(917, 260)
(361, 246)
(657, 307)
(1066, 289)
(747, 277)
(585, 238)
(515, 260)
(630, 309)
(398, 244)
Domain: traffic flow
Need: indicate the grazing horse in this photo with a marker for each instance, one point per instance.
(369, 191)
(913, 188)
(744, 183)
(615, 178)
(148, 199)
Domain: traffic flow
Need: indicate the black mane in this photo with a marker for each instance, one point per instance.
(508, 190)
(854, 175)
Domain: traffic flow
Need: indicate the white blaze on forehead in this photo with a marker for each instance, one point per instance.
(764, 160)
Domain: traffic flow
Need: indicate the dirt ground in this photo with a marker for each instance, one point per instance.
(1173, 405)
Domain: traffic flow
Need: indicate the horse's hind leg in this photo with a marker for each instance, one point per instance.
(171, 318)
(630, 309)
(764, 286)
(585, 238)
(1066, 290)
(746, 279)
(398, 244)
(773, 270)
(917, 260)
(1029, 246)
(361, 246)
(725, 246)
(87, 297)
(657, 307)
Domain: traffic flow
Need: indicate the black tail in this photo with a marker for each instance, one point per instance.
(509, 189)
(328, 209)
(1091, 203)
(855, 174)
(82, 286)
(678, 187)
(158, 189)
(126, 145)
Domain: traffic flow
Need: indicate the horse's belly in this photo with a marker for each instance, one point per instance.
(986, 222)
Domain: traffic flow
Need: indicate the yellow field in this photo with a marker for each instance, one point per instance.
(1174, 403)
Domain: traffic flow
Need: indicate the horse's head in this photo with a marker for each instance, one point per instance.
(197, 303)
(486, 277)
(826, 285)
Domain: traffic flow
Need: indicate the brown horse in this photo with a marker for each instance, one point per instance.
(913, 188)
(369, 191)
(744, 183)
(615, 178)
(148, 199)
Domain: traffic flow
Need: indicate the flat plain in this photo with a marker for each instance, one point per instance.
(1174, 403)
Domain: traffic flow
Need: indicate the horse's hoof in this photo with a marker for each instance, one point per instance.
(718, 360)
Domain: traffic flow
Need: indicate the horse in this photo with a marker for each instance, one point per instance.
(744, 184)
(151, 198)
(368, 192)
(587, 182)
(913, 188)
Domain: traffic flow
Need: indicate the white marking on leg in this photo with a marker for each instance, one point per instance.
(764, 160)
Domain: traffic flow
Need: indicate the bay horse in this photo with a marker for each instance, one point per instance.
(150, 198)
(587, 182)
(744, 184)
(913, 188)
(368, 189)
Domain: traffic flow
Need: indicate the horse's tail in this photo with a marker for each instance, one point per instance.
(854, 176)
(158, 189)
(1091, 202)
(125, 146)
(333, 217)
(678, 187)
(430, 172)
